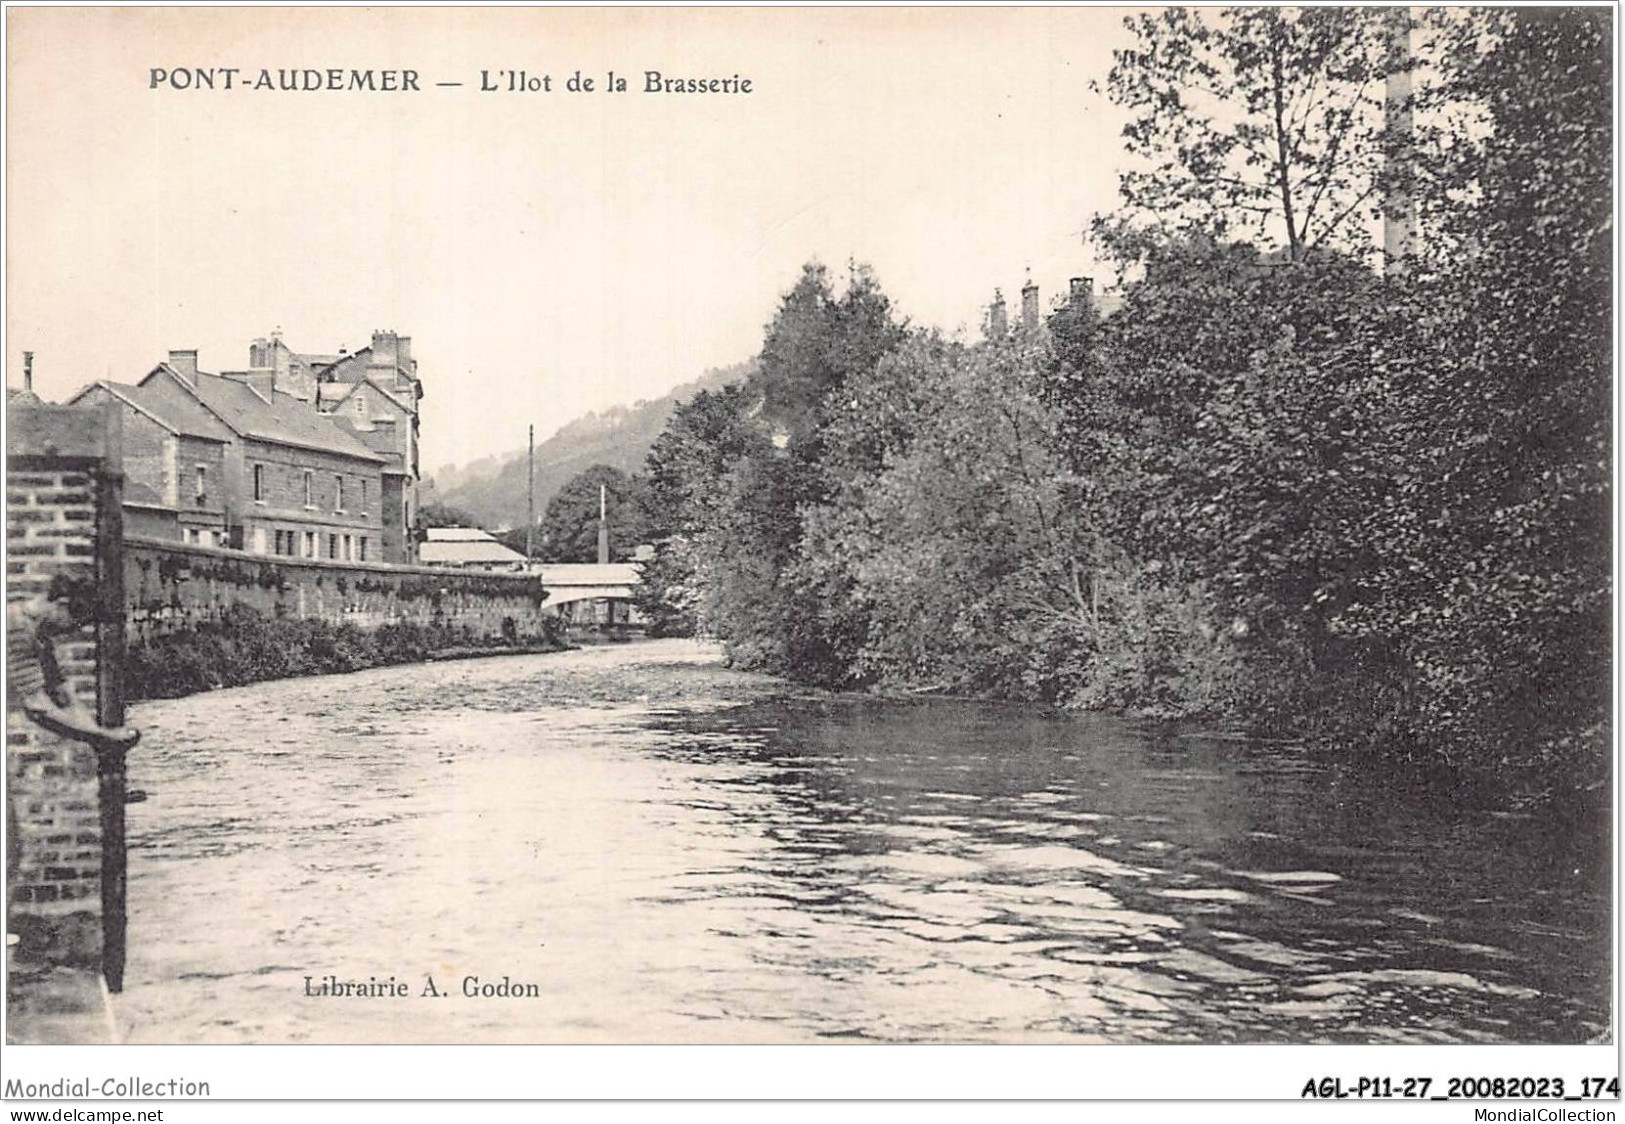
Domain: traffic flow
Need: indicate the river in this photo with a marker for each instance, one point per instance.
(650, 847)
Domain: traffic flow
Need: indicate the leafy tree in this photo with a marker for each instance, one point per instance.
(1399, 485)
(816, 342)
(687, 462)
(569, 530)
(682, 496)
(956, 536)
(1274, 484)
(1254, 122)
(437, 513)
(1509, 632)
(815, 345)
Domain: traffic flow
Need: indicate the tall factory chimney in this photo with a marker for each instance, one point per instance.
(1398, 203)
(603, 524)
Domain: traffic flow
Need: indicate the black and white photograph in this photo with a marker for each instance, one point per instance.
(812, 527)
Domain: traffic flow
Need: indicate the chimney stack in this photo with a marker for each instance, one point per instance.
(385, 350)
(998, 323)
(28, 372)
(262, 383)
(1081, 291)
(185, 365)
(1029, 306)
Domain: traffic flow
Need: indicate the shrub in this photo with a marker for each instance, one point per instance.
(247, 646)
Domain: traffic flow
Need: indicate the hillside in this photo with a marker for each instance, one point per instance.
(492, 489)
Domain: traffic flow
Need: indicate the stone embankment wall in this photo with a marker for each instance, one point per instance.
(171, 588)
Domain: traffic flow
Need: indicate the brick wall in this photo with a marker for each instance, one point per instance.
(66, 897)
(173, 588)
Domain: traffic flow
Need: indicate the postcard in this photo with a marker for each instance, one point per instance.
(1056, 533)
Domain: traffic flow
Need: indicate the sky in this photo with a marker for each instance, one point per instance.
(549, 253)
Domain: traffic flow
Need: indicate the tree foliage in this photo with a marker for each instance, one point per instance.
(437, 513)
(1275, 484)
(568, 532)
(683, 499)
(1255, 122)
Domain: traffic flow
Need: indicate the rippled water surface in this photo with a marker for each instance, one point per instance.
(670, 851)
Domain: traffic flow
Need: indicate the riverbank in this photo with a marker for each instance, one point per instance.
(246, 646)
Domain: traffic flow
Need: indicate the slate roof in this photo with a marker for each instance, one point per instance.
(284, 420)
(185, 418)
(354, 366)
(464, 546)
(350, 388)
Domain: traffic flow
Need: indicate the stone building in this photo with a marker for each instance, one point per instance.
(174, 457)
(244, 465)
(299, 454)
(373, 394)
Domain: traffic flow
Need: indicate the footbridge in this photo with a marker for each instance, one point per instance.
(566, 582)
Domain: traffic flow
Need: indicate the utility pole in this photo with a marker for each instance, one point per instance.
(530, 497)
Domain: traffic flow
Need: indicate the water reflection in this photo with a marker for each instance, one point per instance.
(1075, 874)
(676, 852)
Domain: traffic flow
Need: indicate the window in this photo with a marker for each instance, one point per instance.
(308, 501)
(333, 546)
(259, 483)
(349, 547)
(202, 484)
(310, 544)
(259, 540)
(363, 497)
(338, 493)
(361, 550)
